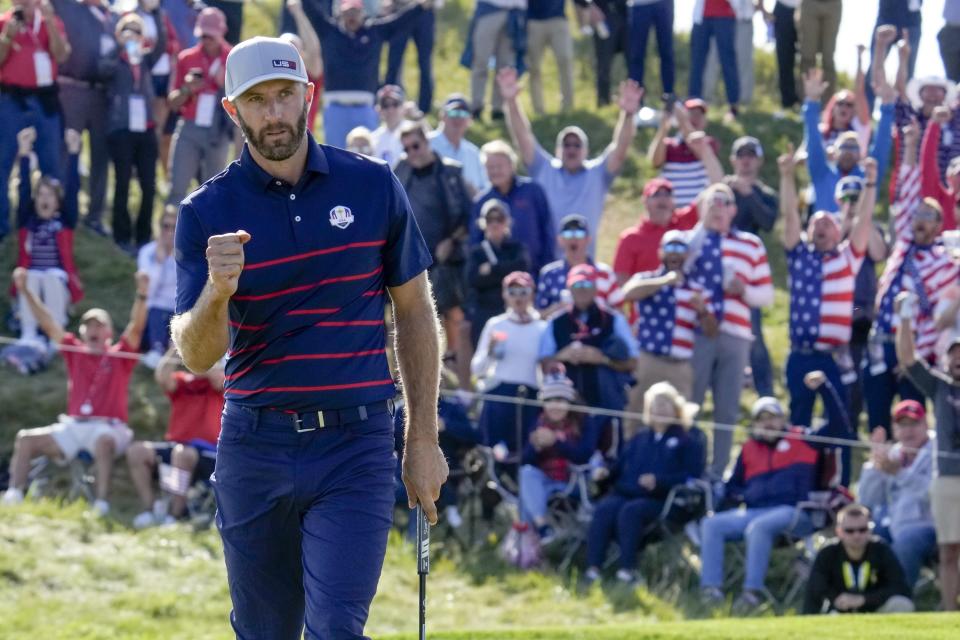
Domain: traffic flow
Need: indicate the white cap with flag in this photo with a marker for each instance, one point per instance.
(260, 59)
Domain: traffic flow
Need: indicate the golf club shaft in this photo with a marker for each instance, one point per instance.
(423, 565)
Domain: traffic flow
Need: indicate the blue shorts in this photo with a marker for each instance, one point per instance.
(161, 85)
(304, 519)
(205, 463)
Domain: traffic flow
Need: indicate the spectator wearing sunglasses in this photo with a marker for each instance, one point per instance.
(856, 573)
(573, 183)
(593, 342)
(847, 158)
(574, 240)
(506, 360)
(822, 268)
(670, 308)
(450, 142)
(532, 222)
(732, 266)
(386, 137)
(488, 262)
(156, 259)
(131, 125)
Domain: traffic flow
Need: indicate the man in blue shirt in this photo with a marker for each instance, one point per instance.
(825, 174)
(284, 263)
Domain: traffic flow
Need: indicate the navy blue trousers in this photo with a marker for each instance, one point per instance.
(623, 517)
(304, 520)
(640, 19)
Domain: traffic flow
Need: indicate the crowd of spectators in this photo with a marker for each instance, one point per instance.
(529, 310)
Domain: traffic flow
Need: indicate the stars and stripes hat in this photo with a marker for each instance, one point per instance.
(848, 186)
(260, 59)
(556, 385)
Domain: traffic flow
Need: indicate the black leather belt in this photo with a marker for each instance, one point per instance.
(313, 420)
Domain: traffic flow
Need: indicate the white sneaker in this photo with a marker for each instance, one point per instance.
(12, 496)
(144, 520)
(591, 575)
(101, 508)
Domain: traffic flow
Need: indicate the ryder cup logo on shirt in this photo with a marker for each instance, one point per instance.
(341, 217)
(285, 64)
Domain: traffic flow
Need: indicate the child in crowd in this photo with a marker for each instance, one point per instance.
(46, 217)
(667, 453)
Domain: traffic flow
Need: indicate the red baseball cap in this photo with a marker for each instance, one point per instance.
(695, 103)
(655, 185)
(910, 409)
(582, 272)
(518, 279)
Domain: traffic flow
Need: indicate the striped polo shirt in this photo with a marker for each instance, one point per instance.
(307, 320)
(821, 295)
(685, 171)
(744, 255)
(667, 319)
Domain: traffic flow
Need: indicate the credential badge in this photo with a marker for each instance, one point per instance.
(341, 217)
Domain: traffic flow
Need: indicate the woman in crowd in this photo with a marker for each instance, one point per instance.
(656, 459)
(488, 263)
(46, 217)
(156, 260)
(505, 362)
(131, 123)
(561, 438)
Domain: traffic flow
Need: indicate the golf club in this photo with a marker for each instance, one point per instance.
(423, 565)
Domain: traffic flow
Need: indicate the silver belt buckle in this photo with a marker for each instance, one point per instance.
(300, 428)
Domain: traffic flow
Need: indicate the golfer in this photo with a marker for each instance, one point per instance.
(284, 262)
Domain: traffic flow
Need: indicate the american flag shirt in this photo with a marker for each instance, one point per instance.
(821, 295)
(743, 255)
(925, 270)
(552, 283)
(667, 319)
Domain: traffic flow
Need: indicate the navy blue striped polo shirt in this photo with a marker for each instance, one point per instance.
(307, 321)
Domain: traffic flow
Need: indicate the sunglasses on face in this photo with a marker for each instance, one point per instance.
(747, 153)
(457, 113)
(518, 292)
(583, 284)
(573, 234)
(853, 530)
(674, 248)
(411, 147)
(389, 104)
(849, 199)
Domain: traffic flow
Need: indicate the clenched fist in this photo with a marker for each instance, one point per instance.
(225, 261)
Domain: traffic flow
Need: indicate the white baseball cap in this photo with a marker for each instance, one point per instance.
(260, 59)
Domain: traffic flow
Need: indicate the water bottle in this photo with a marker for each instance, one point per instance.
(133, 51)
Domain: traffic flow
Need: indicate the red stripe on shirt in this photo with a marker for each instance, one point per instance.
(306, 287)
(253, 347)
(311, 254)
(313, 312)
(348, 323)
(247, 327)
(326, 387)
(309, 356)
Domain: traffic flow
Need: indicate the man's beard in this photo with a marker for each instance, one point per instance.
(276, 151)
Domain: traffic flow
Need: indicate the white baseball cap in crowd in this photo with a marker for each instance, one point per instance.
(260, 59)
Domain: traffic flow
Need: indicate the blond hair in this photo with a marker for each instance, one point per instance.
(501, 147)
(685, 411)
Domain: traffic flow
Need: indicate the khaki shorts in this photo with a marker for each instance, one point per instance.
(945, 502)
(74, 435)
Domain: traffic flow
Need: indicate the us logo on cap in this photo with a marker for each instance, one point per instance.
(341, 217)
(285, 64)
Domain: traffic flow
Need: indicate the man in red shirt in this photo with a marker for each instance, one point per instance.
(202, 139)
(32, 44)
(189, 451)
(98, 372)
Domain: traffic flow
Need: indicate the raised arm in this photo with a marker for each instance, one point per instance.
(308, 35)
(657, 152)
(133, 332)
(699, 143)
(905, 341)
(860, 89)
(417, 346)
(631, 93)
(838, 421)
(517, 122)
(160, 46)
(640, 288)
(863, 224)
(165, 370)
(70, 211)
(883, 139)
(814, 86)
(930, 182)
(903, 67)
(883, 38)
(906, 198)
(792, 228)
(25, 210)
